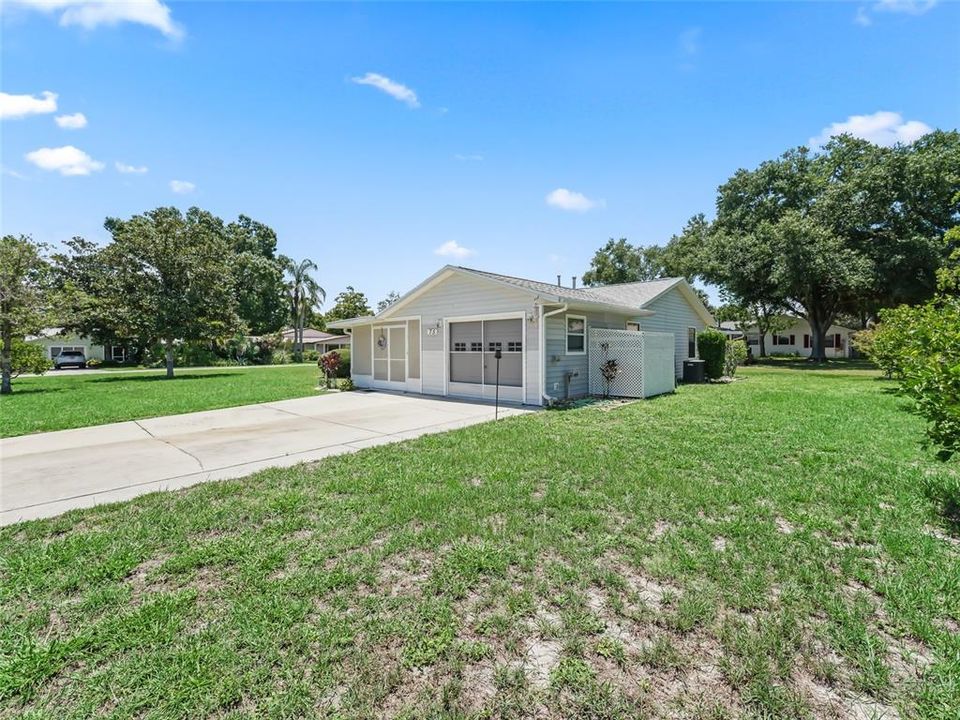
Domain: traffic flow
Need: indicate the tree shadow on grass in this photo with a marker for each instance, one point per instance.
(19, 391)
(160, 378)
(809, 365)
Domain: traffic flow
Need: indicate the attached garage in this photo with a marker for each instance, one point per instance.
(473, 368)
(443, 337)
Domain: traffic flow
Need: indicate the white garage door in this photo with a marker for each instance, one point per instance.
(473, 366)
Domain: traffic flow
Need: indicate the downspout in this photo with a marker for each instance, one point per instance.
(543, 351)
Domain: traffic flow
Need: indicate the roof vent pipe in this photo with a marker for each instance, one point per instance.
(558, 281)
(574, 278)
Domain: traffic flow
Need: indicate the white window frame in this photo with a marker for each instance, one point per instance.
(632, 326)
(696, 350)
(567, 334)
(113, 353)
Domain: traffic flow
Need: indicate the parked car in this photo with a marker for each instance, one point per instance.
(69, 358)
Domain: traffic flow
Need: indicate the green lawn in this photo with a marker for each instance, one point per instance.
(759, 549)
(53, 402)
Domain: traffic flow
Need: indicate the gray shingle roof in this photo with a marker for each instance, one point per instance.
(635, 294)
(313, 335)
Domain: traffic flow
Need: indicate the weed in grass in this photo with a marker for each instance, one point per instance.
(573, 673)
(663, 654)
(612, 649)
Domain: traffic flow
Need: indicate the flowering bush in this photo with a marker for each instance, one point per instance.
(329, 363)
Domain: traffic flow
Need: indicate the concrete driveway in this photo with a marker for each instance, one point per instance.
(49, 473)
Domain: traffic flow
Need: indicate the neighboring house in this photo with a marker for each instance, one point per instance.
(318, 340)
(54, 341)
(796, 339)
(440, 338)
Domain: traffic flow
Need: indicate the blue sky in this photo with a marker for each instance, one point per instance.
(373, 136)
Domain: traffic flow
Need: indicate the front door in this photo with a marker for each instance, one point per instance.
(390, 356)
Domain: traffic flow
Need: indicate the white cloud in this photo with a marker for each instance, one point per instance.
(474, 157)
(569, 200)
(130, 169)
(451, 248)
(903, 7)
(395, 90)
(90, 14)
(18, 106)
(182, 187)
(883, 128)
(71, 122)
(690, 41)
(908, 7)
(66, 160)
(12, 173)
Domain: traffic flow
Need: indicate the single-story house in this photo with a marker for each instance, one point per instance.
(318, 340)
(796, 339)
(54, 341)
(440, 338)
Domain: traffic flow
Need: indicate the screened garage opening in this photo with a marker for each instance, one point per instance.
(473, 345)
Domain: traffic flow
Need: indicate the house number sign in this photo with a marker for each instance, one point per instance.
(433, 331)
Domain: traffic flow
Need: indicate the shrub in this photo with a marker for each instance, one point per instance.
(336, 363)
(930, 368)
(194, 354)
(329, 363)
(711, 346)
(94, 363)
(311, 356)
(345, 385)
(921, 345)
(280, 357)
(735, 354)
(609, 370)
(28, 358)
(885, 343)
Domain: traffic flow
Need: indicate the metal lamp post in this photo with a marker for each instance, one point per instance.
(496, 393)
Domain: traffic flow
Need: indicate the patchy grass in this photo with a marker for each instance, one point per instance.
(759, 549)
(52, 402)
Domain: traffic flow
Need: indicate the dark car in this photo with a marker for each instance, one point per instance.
(68, 358)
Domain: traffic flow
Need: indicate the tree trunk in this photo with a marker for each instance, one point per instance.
(763, 344)
(5, 359)
(818, 337)
(169, 356)
(299, 345)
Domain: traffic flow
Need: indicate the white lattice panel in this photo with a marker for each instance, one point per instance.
(641, 358)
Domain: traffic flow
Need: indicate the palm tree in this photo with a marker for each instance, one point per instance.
(303, 294)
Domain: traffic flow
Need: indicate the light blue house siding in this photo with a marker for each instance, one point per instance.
(673, 315)
(559, 363)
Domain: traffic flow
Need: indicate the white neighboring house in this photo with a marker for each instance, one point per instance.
(54, 341)
(440, 338)
(796, 339)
